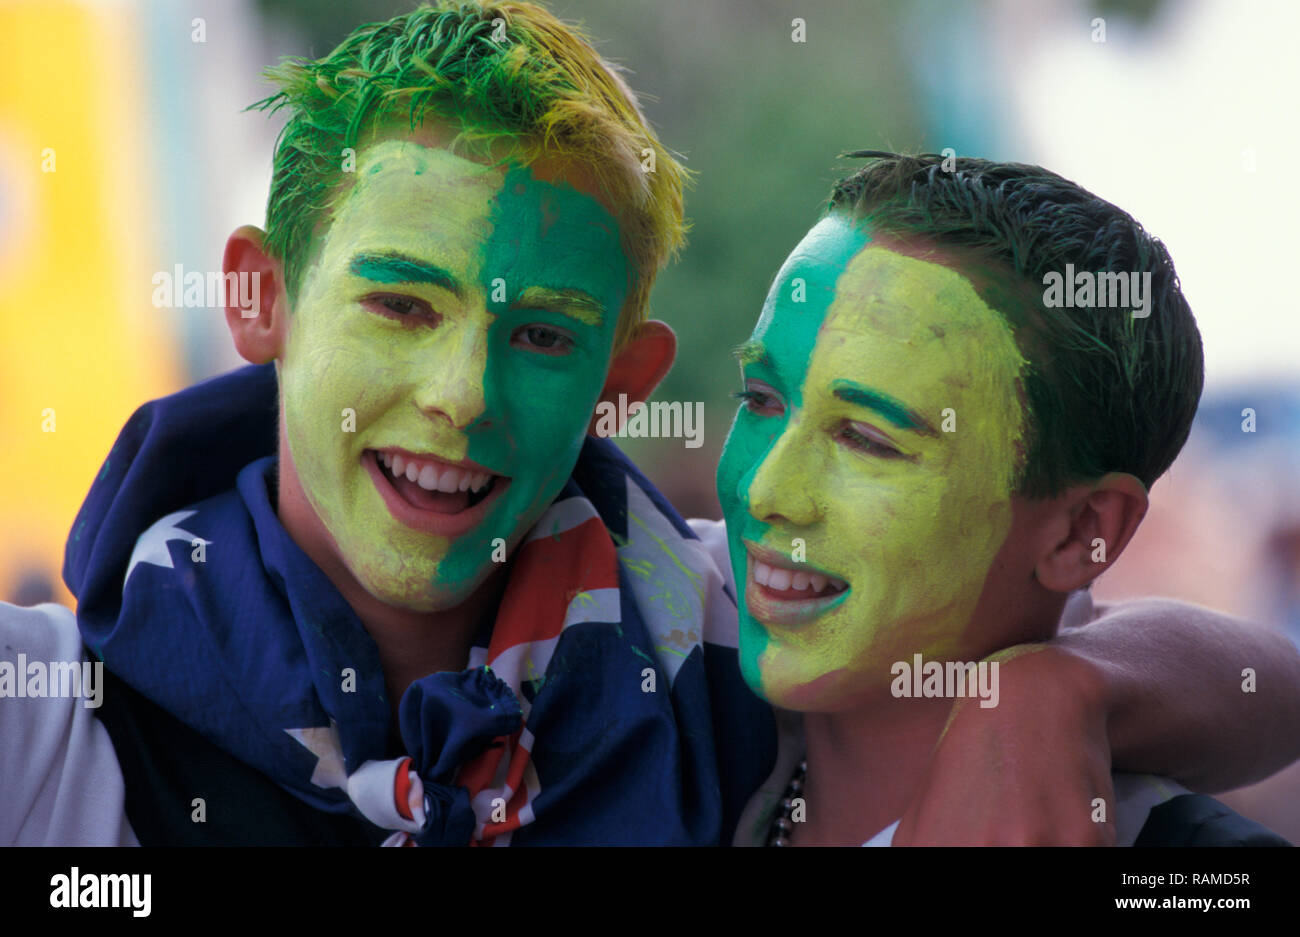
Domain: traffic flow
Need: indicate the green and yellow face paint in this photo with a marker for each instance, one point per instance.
(445, 353)
(867, 478)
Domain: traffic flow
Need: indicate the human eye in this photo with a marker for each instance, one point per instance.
(402, 308)
(863, 437)
(543, 339)
(760, 398)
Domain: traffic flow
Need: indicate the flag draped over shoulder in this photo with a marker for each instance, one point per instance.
(603, 703)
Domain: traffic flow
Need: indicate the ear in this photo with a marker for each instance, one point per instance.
(259, 328)
(639, 367)
(1099, 520)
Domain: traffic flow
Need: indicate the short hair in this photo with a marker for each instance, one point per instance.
(1102, 391)
(497, 71)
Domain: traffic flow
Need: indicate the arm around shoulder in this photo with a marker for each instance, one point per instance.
(1191, 693)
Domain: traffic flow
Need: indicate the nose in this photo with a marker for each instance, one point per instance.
(782, 487)
(457, 366)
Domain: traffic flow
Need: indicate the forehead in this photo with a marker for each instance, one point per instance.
(839, 287)
(427, 173)
(919, 332)
(414, 197)
(914, 329)
(404, 194)
(917, 309)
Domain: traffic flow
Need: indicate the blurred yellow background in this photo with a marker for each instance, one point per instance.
(79, 351)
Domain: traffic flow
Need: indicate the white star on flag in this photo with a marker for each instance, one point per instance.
(323, 742)
(152, 545)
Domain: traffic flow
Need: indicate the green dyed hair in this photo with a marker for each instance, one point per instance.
(504, 76)
(1102, 391)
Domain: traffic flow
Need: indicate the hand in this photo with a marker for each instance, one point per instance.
(1025, 772)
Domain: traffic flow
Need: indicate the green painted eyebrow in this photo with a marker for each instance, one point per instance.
(750, 352)
(400, 268)
(895, 412)
(572, 303)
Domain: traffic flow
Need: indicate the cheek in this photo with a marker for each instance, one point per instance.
(329, 397)
(547, 416)
(728, 467)
(864, 515)
(539, 417)
(741, 455)
(896, 546)
(977, 510)
(320, 360)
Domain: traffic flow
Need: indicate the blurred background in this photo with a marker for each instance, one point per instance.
(125, 151)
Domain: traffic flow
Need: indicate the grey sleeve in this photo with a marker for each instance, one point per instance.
(60, 784)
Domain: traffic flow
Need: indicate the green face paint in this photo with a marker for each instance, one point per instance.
(843, 447)
(460, 311)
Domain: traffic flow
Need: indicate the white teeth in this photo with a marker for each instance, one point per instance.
(434, 476)
(782, 579)
(449, 480)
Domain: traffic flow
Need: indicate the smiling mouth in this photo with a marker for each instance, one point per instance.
(781, 591)
(432, 495)
(433, 485)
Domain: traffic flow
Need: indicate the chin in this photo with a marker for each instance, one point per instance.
(806, 686)
(801, 686)
(415, 593)
(818, 694)
(439, 602)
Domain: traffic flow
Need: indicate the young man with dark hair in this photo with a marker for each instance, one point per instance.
(957, 455)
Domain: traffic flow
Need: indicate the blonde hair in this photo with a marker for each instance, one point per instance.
(498, 72)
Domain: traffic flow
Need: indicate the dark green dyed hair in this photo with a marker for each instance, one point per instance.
(498, 73)
(1102, 391)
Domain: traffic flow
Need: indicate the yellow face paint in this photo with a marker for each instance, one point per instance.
(458, 311)
(841, 460)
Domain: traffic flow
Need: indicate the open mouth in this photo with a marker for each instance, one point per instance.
(783, 591)
(429, 494)
(794, 584)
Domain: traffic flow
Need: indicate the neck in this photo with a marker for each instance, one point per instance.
(412, 644)
(864, 767)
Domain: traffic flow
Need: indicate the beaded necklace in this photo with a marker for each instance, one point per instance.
(782, 825)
